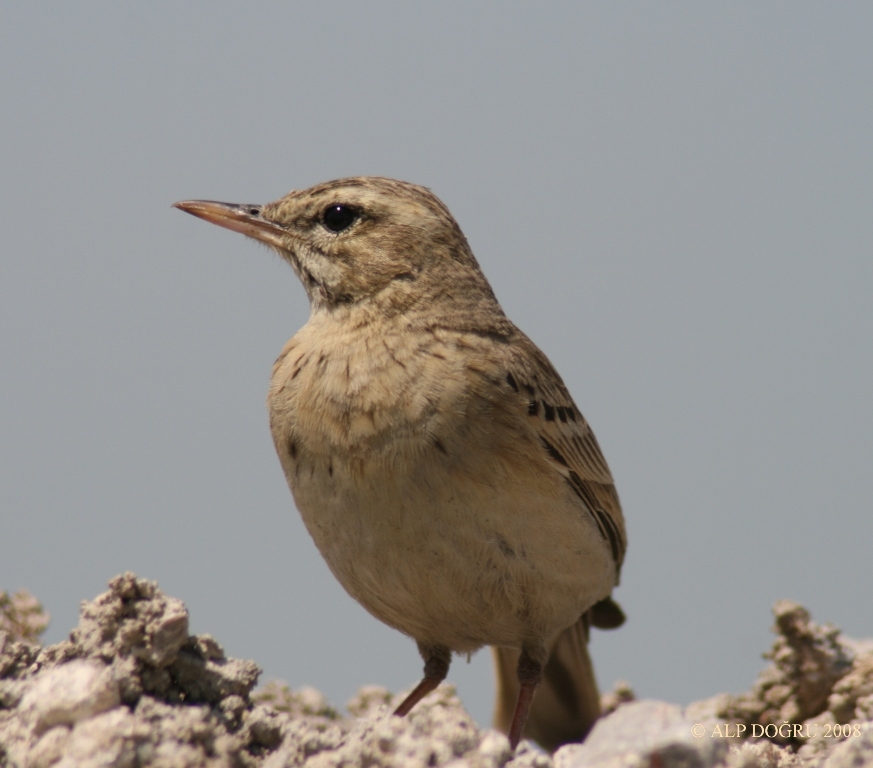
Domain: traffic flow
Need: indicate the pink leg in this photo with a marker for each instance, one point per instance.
(530, 674)
(436, 667)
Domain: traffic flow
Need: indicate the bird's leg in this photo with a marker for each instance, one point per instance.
(530, 674)
(436, 667)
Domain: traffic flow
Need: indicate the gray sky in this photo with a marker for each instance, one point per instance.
(673, 200)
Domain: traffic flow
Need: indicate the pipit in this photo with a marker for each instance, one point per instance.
(435, 455)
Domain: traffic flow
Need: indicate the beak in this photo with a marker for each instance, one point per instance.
(245, 219)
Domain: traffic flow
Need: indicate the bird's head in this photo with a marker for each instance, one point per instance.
(362, 239)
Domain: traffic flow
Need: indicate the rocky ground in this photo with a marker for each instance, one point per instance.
(132, 688)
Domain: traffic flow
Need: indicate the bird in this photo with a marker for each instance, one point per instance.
(435, 455)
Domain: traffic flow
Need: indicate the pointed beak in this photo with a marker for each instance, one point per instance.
(245, 219)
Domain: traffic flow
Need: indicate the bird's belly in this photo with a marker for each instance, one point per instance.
(449, 559)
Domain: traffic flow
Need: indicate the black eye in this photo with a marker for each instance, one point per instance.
(339, 217)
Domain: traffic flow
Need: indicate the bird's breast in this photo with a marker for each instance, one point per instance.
(346, 394)
(423, 492)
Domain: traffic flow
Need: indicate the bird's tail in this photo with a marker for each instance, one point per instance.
(567, 701)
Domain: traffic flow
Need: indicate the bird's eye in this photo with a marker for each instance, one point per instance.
(339, 217)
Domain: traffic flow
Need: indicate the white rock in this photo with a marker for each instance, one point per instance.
(49, 749)
(106, 741)
(641, 734)
(67, 694)
(854, 752)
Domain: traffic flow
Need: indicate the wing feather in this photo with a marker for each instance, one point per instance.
(567, 439)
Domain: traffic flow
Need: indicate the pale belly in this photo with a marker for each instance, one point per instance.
(449, 559)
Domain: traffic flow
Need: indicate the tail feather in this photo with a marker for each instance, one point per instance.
(567, 702)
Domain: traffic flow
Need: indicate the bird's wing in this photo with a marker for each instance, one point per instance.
(566, 438)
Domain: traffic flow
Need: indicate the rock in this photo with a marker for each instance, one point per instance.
(304, 701)
(16, 656)
(621, 693)
(438, 732)
(22, 617)
(110, 740)
(131, 689)
(762, 754)
(205, 676)
(50, 748)
(808, 660)
(644, 733)
(819, 680)
(854, 752)
(134, 618)
(68, 694)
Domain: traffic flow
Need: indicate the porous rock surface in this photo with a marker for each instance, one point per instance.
(132, 688)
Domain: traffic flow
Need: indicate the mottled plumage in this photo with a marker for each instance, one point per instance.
(437, 459)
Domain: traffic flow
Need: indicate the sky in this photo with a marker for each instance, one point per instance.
(673, 200)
